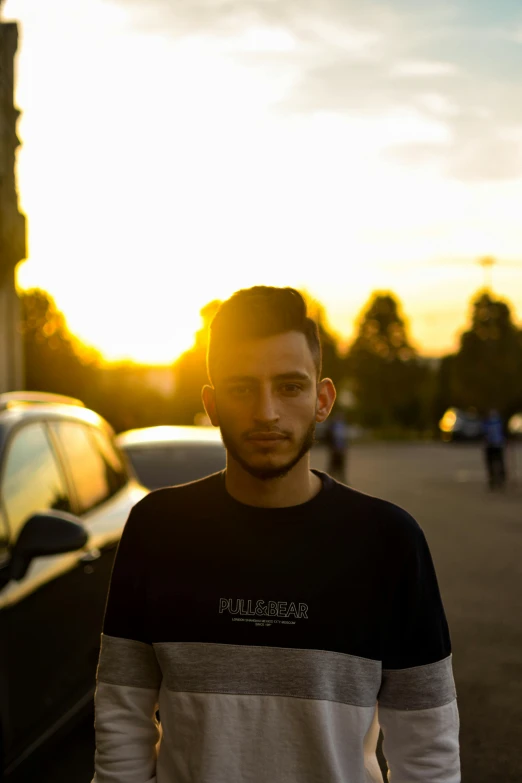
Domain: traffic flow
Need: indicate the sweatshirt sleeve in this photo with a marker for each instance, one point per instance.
(417, 705)
(128, 676)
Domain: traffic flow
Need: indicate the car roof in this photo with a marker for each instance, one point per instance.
(168, 434)
(17, 413)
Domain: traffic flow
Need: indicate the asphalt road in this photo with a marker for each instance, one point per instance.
(475, 537)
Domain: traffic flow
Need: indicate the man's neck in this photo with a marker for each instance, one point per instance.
(298, 486)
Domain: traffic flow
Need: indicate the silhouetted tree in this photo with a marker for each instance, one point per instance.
(443, 397)
(191, 370)
(390, 383)
(486, 372)
(55, 361)
(332, 361)
(125, 397)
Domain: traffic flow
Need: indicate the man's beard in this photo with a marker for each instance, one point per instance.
(267, 473)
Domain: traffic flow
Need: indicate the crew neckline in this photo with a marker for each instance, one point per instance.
(327, 484)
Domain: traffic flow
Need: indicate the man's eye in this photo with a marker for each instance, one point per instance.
(292, 388)
(239, 390)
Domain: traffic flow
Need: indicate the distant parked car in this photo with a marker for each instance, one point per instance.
(515, 425)
(167, 455)
(459, 425)
(65, 494)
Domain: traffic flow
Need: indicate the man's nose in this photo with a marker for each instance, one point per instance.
(266, 408)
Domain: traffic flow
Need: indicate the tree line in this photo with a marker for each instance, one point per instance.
(385, 385)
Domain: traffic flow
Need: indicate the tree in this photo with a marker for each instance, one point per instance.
(443, 397)
(191, 370)
(487, 369)
(125, 396)
(55, 361)
(390, 382)
(332, 361)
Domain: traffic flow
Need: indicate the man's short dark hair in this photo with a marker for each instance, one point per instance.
(261, 311)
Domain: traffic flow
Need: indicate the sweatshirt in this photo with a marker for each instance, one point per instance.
(244, 644)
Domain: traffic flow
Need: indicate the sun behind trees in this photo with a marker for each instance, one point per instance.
(56, 361)
(394, 391)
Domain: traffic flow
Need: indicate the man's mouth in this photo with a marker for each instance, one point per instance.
(264, 436)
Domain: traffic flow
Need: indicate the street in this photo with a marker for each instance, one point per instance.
(475, 537)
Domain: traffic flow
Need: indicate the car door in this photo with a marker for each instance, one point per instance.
(37, 613)
(95, 488)
(103, 497)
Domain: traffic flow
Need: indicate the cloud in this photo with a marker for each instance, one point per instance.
(264, 39)
(437, 104)
(489, 158)
(345, 58)
(419, 68)
(496, 155)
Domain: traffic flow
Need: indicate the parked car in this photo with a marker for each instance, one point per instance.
(459, 425)
(515, 425)
(167, 455)
(65, 494)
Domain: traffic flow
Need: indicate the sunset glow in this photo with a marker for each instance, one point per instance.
(170, 158)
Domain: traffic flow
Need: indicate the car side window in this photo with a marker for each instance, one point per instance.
(32, 480)
(84, 462)
(4, 540)
(115, 469)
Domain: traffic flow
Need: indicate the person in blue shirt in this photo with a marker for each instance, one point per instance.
(337, 445)
(494, 444)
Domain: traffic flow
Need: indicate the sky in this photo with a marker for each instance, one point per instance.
(174, 152)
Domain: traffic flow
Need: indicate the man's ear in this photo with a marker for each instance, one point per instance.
(208, 395)
(326, 395)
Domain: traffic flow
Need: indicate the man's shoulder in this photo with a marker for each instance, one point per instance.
(194, 494)
(379, 516)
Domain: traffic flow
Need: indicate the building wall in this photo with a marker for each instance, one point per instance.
(12, 222)
(11, 352)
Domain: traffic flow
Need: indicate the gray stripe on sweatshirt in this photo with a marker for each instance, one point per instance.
(418, 688)
(274, 671)
(127, 662)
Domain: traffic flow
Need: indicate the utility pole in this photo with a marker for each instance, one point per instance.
(488, 262)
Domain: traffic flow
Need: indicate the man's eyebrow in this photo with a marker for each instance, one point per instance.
(236, 378)
(284, 376)
(295, 375)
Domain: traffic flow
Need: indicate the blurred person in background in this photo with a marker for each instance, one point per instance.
(337, 441)
(494, 446)
(265, 621)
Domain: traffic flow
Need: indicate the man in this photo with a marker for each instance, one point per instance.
(337, 445)
(494, 442)
(274, 616)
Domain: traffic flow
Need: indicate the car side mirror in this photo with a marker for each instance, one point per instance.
(47, 533)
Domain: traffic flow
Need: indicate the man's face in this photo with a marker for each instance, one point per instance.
(266, 402)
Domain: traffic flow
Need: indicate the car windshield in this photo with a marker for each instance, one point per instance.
(165, 464)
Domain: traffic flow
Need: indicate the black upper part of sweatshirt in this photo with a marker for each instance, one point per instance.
(344, 572)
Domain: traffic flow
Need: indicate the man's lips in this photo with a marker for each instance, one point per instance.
(266, 436)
